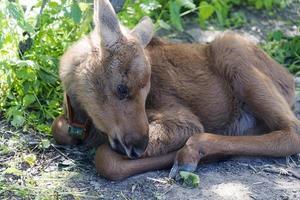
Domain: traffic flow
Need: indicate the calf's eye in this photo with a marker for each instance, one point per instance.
(122, 91)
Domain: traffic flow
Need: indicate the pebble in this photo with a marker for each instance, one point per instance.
(253, 28)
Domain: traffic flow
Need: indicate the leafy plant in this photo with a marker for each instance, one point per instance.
(30, 93)
(133, 11)
(189, 179)
(222, 9)
(284, 49)
(268, 4)
(165, 12)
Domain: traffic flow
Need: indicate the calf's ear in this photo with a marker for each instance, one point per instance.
(106, 23)
(144, 31)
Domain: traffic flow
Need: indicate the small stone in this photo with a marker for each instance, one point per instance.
(284, 197)
(253, 28)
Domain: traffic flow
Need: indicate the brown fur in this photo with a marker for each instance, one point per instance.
(229, 87)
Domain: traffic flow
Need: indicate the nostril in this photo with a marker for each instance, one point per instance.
(134, 153)
(135, 145)
(118, 147)
(142, 144)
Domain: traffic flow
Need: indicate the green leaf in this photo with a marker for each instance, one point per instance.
(236, 2)
(1, 40)
(17, 13)
(28, 99)
(30, 159)
(48, 77)
(25, 74)
(189, 179)
(205, 11)
(222, 10)
(45, 144)
(268, 3)
(83, 6)
(43, 128)
(277, 35)
(27, 27)
(26, 63)
(53, 4)
(14, 171)
(186, 3)
(18, 120)
(76, 13)
(258, 4)
(4, 149)
(175, 15)
(163, 24)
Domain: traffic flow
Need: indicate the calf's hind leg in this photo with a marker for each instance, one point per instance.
(264, 99)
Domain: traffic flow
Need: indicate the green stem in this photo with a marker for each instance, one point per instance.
(37, 99)
(189, 11)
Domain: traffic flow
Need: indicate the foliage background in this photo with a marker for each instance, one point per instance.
(35, 33)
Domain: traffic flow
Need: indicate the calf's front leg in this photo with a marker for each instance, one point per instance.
(170, 127)
(114, 166)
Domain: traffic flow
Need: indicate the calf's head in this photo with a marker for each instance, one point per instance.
(115, 80)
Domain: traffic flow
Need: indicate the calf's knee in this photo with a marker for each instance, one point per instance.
(60, 132)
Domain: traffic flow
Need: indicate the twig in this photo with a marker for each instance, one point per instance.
(158, 180)
(282, 171)
(290, 161)
(276, 171)
(166, 180)
(5, 159)
(61, 153)
(278, 163)
(49, 161)
(68, 158)
(257, 183)
(124, 196)
(250, 166)
(189, 11)
(294, 174)
(253, 168)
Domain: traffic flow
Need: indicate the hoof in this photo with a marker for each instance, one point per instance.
(187, 159)
(60, 132)
(174, 172)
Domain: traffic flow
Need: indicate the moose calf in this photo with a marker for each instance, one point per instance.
(161, 104)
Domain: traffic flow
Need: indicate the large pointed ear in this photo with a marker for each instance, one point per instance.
(144, 31)
(106, 23)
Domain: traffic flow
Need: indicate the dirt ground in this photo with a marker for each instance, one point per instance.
(60, 172)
